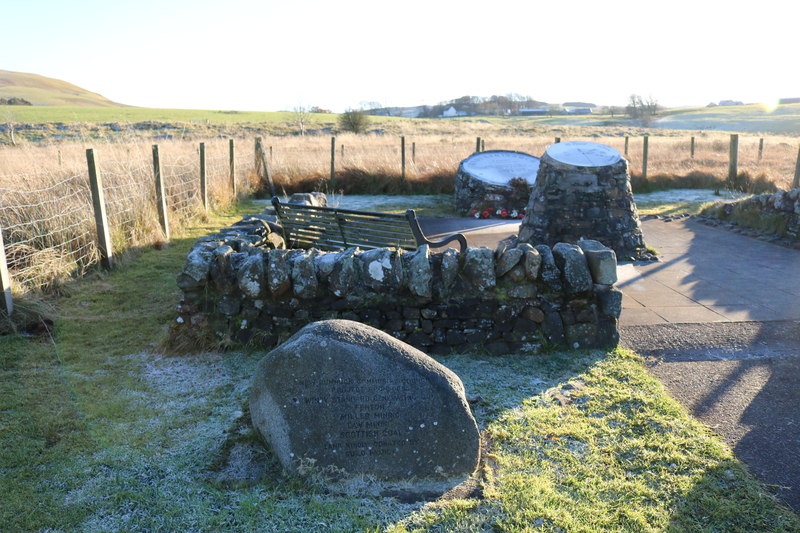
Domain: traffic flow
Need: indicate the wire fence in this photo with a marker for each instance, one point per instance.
(767, 159)
(52, 230)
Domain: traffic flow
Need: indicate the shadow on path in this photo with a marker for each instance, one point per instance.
(726, 341)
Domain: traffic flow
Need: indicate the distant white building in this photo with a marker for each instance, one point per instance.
(533, 111)
(453, 112)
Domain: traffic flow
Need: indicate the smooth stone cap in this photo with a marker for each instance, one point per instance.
(499, 166)
(583, 154)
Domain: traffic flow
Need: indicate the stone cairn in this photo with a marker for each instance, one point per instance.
(493, 182)
(583, 191)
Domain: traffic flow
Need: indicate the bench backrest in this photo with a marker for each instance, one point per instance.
(328, 228)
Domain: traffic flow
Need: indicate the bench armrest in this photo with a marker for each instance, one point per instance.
(422, 239)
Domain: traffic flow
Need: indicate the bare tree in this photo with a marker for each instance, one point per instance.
(300, 116)
(642, 110)
(9, 116)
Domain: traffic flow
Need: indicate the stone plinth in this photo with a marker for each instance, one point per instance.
(494, 181)
(583, 191)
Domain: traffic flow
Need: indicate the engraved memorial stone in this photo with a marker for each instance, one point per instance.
(346, 396)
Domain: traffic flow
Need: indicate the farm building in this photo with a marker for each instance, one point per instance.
(453, 112)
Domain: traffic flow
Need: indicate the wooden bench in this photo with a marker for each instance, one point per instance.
(329, 228)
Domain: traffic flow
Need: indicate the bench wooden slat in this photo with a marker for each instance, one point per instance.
(333, 228)
(354, 231)
(304, 218)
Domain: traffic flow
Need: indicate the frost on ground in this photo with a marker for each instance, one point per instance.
(373, 202)
(152, 467)
(686, 195)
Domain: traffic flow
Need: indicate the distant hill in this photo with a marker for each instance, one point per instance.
(40, 90)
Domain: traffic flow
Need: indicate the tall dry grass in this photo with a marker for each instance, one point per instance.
(45, 204)
(372, 163)
(46, 210)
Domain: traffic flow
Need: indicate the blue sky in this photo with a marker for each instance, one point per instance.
(271, 55)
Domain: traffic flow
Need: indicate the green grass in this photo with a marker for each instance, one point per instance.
(101, 432)
(746, 118)
(749, 214)
(141, 114)
(671, 208)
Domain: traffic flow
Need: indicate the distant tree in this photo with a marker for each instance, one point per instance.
(651, 106)
(641, 109)
(353, 120)
(9, 119)
(317, 109)
(300, 116)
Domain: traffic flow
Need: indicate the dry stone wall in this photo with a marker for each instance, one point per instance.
(518, 296)
(778, 212)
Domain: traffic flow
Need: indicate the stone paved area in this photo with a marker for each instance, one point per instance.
(719, 320)
(708, 274)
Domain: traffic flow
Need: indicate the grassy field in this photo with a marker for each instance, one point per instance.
(101, 432)
(42, 91)
(142, 114)
(754, 119)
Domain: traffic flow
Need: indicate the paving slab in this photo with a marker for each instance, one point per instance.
(710, 273)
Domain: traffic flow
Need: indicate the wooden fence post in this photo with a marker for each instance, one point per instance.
(691, 147)
(558, 140)
(477, 144)
(645, 142)
(100, 218)
(333, 163)
(403, 157)
(796, 181)
(414, 153)
(626, 146)
(262, 155)
(257, 156)
(733, 160)
(483, 145)
(161, 201)
(203, 177)
(232, 166)
(7, 302)
(760, 148)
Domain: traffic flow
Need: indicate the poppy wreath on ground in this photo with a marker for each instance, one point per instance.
(501, 212)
